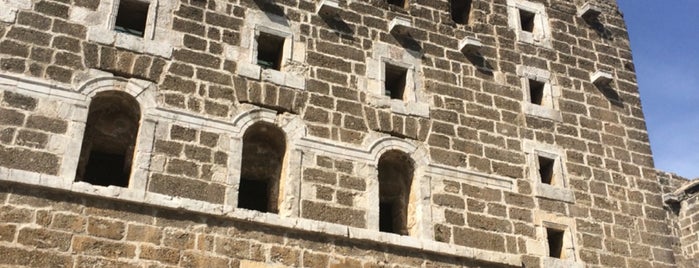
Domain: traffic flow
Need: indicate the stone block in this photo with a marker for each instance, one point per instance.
(14, 48)
(187, 188)
(8, 15)
(29, 36)
(169, 148)
(285, 255)
(164, 255)
(144, 233)
(178, 239)
(324, 212)
(68, 222)
(104, 248)
(196, 259)
(451, 201)
(31, 139)
(11, 117)
(44, 239)
(479, 239)
(320, 176)
(106, 228)
(7, 232)
(40, 162)
(53, 125)
(33, 258)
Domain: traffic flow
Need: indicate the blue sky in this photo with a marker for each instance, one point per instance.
(665, 44)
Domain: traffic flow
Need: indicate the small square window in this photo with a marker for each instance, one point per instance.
(546, 170)
(131, 17)
(399, 3)
(460, 11)
(395, 81)
(526, 19)
(536, 92)
(270, 50)
(554, 237)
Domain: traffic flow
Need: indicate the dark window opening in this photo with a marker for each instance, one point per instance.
(461, 11)
(536, 92)
(109, 139)
(546, 169)
(131, 17)
(399, 3)
(555, 241)
(264, 147)
(394, 86)
(251, 193)
(270, 50)
(526, 19)
(386, 210)
(395, 179)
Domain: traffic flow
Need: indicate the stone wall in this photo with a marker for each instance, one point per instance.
(466, 121)
(681, 198)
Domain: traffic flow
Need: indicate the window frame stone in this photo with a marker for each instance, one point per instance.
(541, 34)
(290, 73)
(550, 107)
(539, 246)
(560, 190)
(414, 102)
(102, 31)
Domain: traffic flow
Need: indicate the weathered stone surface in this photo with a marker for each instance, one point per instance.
(322, 212)
(188, 188)
(464, 121)
(29, 160)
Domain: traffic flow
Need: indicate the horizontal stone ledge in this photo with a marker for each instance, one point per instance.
(120, 194)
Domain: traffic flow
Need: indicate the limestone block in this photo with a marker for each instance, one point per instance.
(295, 81)
(8, 14)
(273, 76)
(589, 11)
(400, 25)
(249, 70)
(601, 78)
(470, 45)
(328, 8)
(101, 36)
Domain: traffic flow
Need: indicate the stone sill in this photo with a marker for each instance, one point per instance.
(408, 108)
(550, 262)
(130, 42)
(555, 193)
(543, 112)
(273, 220)
(287, 79)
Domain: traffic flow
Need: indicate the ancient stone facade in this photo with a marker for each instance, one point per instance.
(352, 133)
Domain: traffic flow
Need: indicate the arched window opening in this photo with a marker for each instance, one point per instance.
(395, 179)
(109, 140)
(461, 11)
(264, 147)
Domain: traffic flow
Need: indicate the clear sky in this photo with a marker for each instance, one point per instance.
(665, 44)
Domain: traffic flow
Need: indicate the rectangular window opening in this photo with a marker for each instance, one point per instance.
(461, 11)
(270, 51)
(527, 20)
(536, 92)
(399, 3)
(546, 169)
(395, 81)
(131, 17)
(554, 238)
(253, 195)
